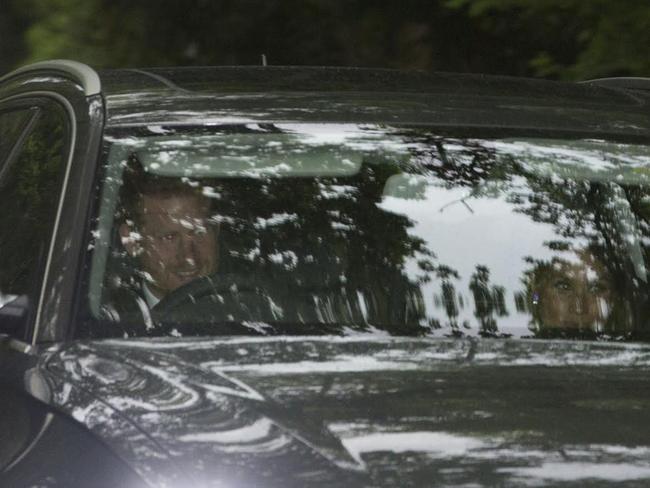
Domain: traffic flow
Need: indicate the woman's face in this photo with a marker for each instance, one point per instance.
(573, 294)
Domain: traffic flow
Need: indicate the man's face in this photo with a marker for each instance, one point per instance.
(177, 243)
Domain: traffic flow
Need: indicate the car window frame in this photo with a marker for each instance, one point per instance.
(10, 156)
(42, 100)
(112, 130)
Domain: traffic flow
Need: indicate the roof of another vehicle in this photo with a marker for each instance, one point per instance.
(273, 94)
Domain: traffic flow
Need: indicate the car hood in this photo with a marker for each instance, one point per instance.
(358, 411)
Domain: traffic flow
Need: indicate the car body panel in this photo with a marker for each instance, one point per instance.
(366, 96)
(391, 412)
(86, 118)
(327, 411)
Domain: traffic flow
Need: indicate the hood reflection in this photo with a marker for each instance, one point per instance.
(348, 411)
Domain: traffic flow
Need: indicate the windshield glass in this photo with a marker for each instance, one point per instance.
(343, 228)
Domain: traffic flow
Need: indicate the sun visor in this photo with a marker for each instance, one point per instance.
(244, 155)
(587, 160)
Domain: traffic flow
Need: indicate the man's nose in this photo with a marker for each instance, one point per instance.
(187, 246)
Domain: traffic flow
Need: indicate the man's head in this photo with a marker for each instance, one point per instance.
(167, 228)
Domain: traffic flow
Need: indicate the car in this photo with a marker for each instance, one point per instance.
(297, 276)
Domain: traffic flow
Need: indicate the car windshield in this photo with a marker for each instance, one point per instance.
(348, 229)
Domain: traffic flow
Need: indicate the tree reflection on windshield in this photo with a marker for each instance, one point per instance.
(416, 233)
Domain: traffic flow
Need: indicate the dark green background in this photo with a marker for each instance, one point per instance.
(561, 39)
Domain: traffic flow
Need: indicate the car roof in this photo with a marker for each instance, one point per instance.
(257, 94)
(268, 94)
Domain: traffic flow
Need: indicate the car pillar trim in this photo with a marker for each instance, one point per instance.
(82, 73)
(57, 219)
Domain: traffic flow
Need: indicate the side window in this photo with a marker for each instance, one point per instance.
(12, 125)
(29, 196)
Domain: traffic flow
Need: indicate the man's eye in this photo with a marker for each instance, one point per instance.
(167, 237)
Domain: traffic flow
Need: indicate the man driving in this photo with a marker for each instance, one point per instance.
(167, 229)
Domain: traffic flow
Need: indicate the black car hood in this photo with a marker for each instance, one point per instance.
(358, 411)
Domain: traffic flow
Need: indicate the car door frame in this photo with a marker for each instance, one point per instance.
(76, 88)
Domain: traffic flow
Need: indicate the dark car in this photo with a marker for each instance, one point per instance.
(266, 276)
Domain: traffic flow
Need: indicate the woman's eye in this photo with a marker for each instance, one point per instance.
(562, 285)
(167, 237)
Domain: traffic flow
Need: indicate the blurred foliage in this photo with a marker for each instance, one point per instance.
(569, 39)
(415, 33)
(575, 39)
(30, 187)
(14, 20)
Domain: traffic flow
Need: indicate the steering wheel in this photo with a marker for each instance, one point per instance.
(236, 304)
(218, 304)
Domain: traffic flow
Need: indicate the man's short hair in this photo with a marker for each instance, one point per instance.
(138, 182)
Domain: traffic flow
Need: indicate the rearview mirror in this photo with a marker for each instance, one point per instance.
(14, 310)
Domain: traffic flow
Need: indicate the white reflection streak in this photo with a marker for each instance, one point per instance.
(593, 158)
(273, 445)
(178, 383)
(256, 431)
(189, 344)
(441, 443)
(364, 137)
(571, 471)
(343, 364)
(245, 391)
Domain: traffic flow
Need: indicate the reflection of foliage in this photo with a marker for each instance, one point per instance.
(488, 300)
(468, 166)
(603, 214)
(597, 212)
(377, 244)
(613, 216)
(12, 125)
(449, 294)
(30, 189)
(327, 235)
(449, 302)
(334, 237)
(568, 206)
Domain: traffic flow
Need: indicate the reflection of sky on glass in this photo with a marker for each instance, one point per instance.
(588, 158)
(463, 226)
(301, 149)
(359, 137)
(493, 236)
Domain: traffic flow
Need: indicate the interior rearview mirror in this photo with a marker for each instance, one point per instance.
(14, 310)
